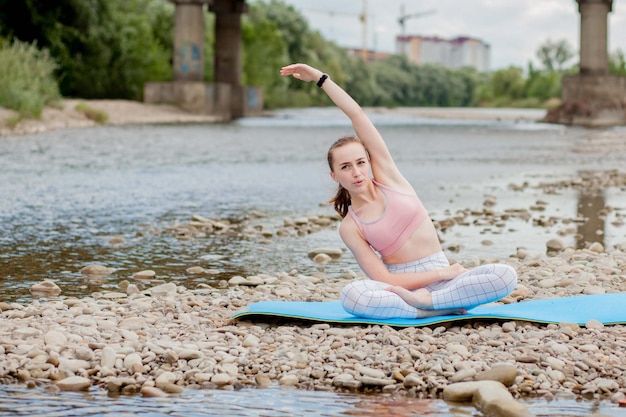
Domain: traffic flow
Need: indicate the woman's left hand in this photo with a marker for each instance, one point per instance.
(451, 272)
(301, 72)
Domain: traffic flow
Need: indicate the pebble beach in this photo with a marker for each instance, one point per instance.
(157, 338)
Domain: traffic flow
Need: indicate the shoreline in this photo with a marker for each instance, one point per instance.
(120, 112)
(128, 112)
(468, 113)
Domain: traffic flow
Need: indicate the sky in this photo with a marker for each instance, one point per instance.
(514, 29)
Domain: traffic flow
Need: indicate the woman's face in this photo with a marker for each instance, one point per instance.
(350, 166)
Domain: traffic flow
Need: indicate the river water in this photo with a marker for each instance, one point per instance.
(64, 194)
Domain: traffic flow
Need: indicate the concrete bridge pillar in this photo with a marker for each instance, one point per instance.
(228, 49)
(225, 97)
(593, 97)
(594, 57)
(189, 40)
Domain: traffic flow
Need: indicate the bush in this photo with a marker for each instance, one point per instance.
(98, 116)
(617, 63)
(103, 48)
(27, 82)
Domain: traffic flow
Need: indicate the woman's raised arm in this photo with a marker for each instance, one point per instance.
(383, 166)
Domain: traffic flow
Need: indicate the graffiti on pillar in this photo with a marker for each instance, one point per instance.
(189, 58)
(253, 98)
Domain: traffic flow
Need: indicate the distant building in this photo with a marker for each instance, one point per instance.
(368, 54)
(451, 53)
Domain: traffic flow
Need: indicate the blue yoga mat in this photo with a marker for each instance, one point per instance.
(605, 308)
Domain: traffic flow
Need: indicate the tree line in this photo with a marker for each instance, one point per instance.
(109, 48)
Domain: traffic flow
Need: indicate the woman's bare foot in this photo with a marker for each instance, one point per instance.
(423, 301)
(422, 314)
(420, 298)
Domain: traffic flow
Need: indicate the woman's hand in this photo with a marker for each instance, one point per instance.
(451, 272)
(301, 72)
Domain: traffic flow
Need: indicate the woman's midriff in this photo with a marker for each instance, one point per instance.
(422, 243)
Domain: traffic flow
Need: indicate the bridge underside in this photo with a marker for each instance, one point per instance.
(224, 97)
(590, 98)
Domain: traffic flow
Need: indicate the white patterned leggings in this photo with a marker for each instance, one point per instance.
(483, 284)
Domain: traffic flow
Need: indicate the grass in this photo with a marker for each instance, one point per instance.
(27, 82)
(12, 121)
(98, 116)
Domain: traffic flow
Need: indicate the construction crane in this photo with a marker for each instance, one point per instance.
(363, 16)
(404, 17)
(402, 20)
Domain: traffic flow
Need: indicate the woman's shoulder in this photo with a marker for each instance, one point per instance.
(347, 222)
(348, 227)
(403, 187)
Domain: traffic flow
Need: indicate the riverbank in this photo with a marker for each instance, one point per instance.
(126, 112)
(118, 112)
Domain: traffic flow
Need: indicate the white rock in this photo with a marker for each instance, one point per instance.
(250, 341)
(195, 270)
(555, 363)
(98, 270)
(55, 338)
(237, 280)
(132, 360)
(163, 289)
(147, 274)
(155, 392)
(165, 379)
(221, 379)
(322, 258)
(202, 377)
(458, 349)
(333, 254)
(74, 383)
(26, 333)
(108, 357)
(73, 365)
(282, 291)
(189, 354)
(289, 380)
(132, 323)
(45, 288)
(374, 373)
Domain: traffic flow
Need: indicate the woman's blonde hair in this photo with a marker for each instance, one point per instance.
(341, 200)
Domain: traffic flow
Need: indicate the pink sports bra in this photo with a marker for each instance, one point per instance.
(404, 213)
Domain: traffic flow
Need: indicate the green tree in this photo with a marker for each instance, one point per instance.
(617, 63)
(472, 80)
(431, 86)
(264, 52)
(554, 55)
(394, 81)
(104, 48)
(543, 85)
(302, 45)
(27, 82)
(361, 81)
(134, 54)
(508, 83)
(291, 24)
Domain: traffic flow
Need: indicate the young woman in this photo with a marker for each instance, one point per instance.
(389, 231)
